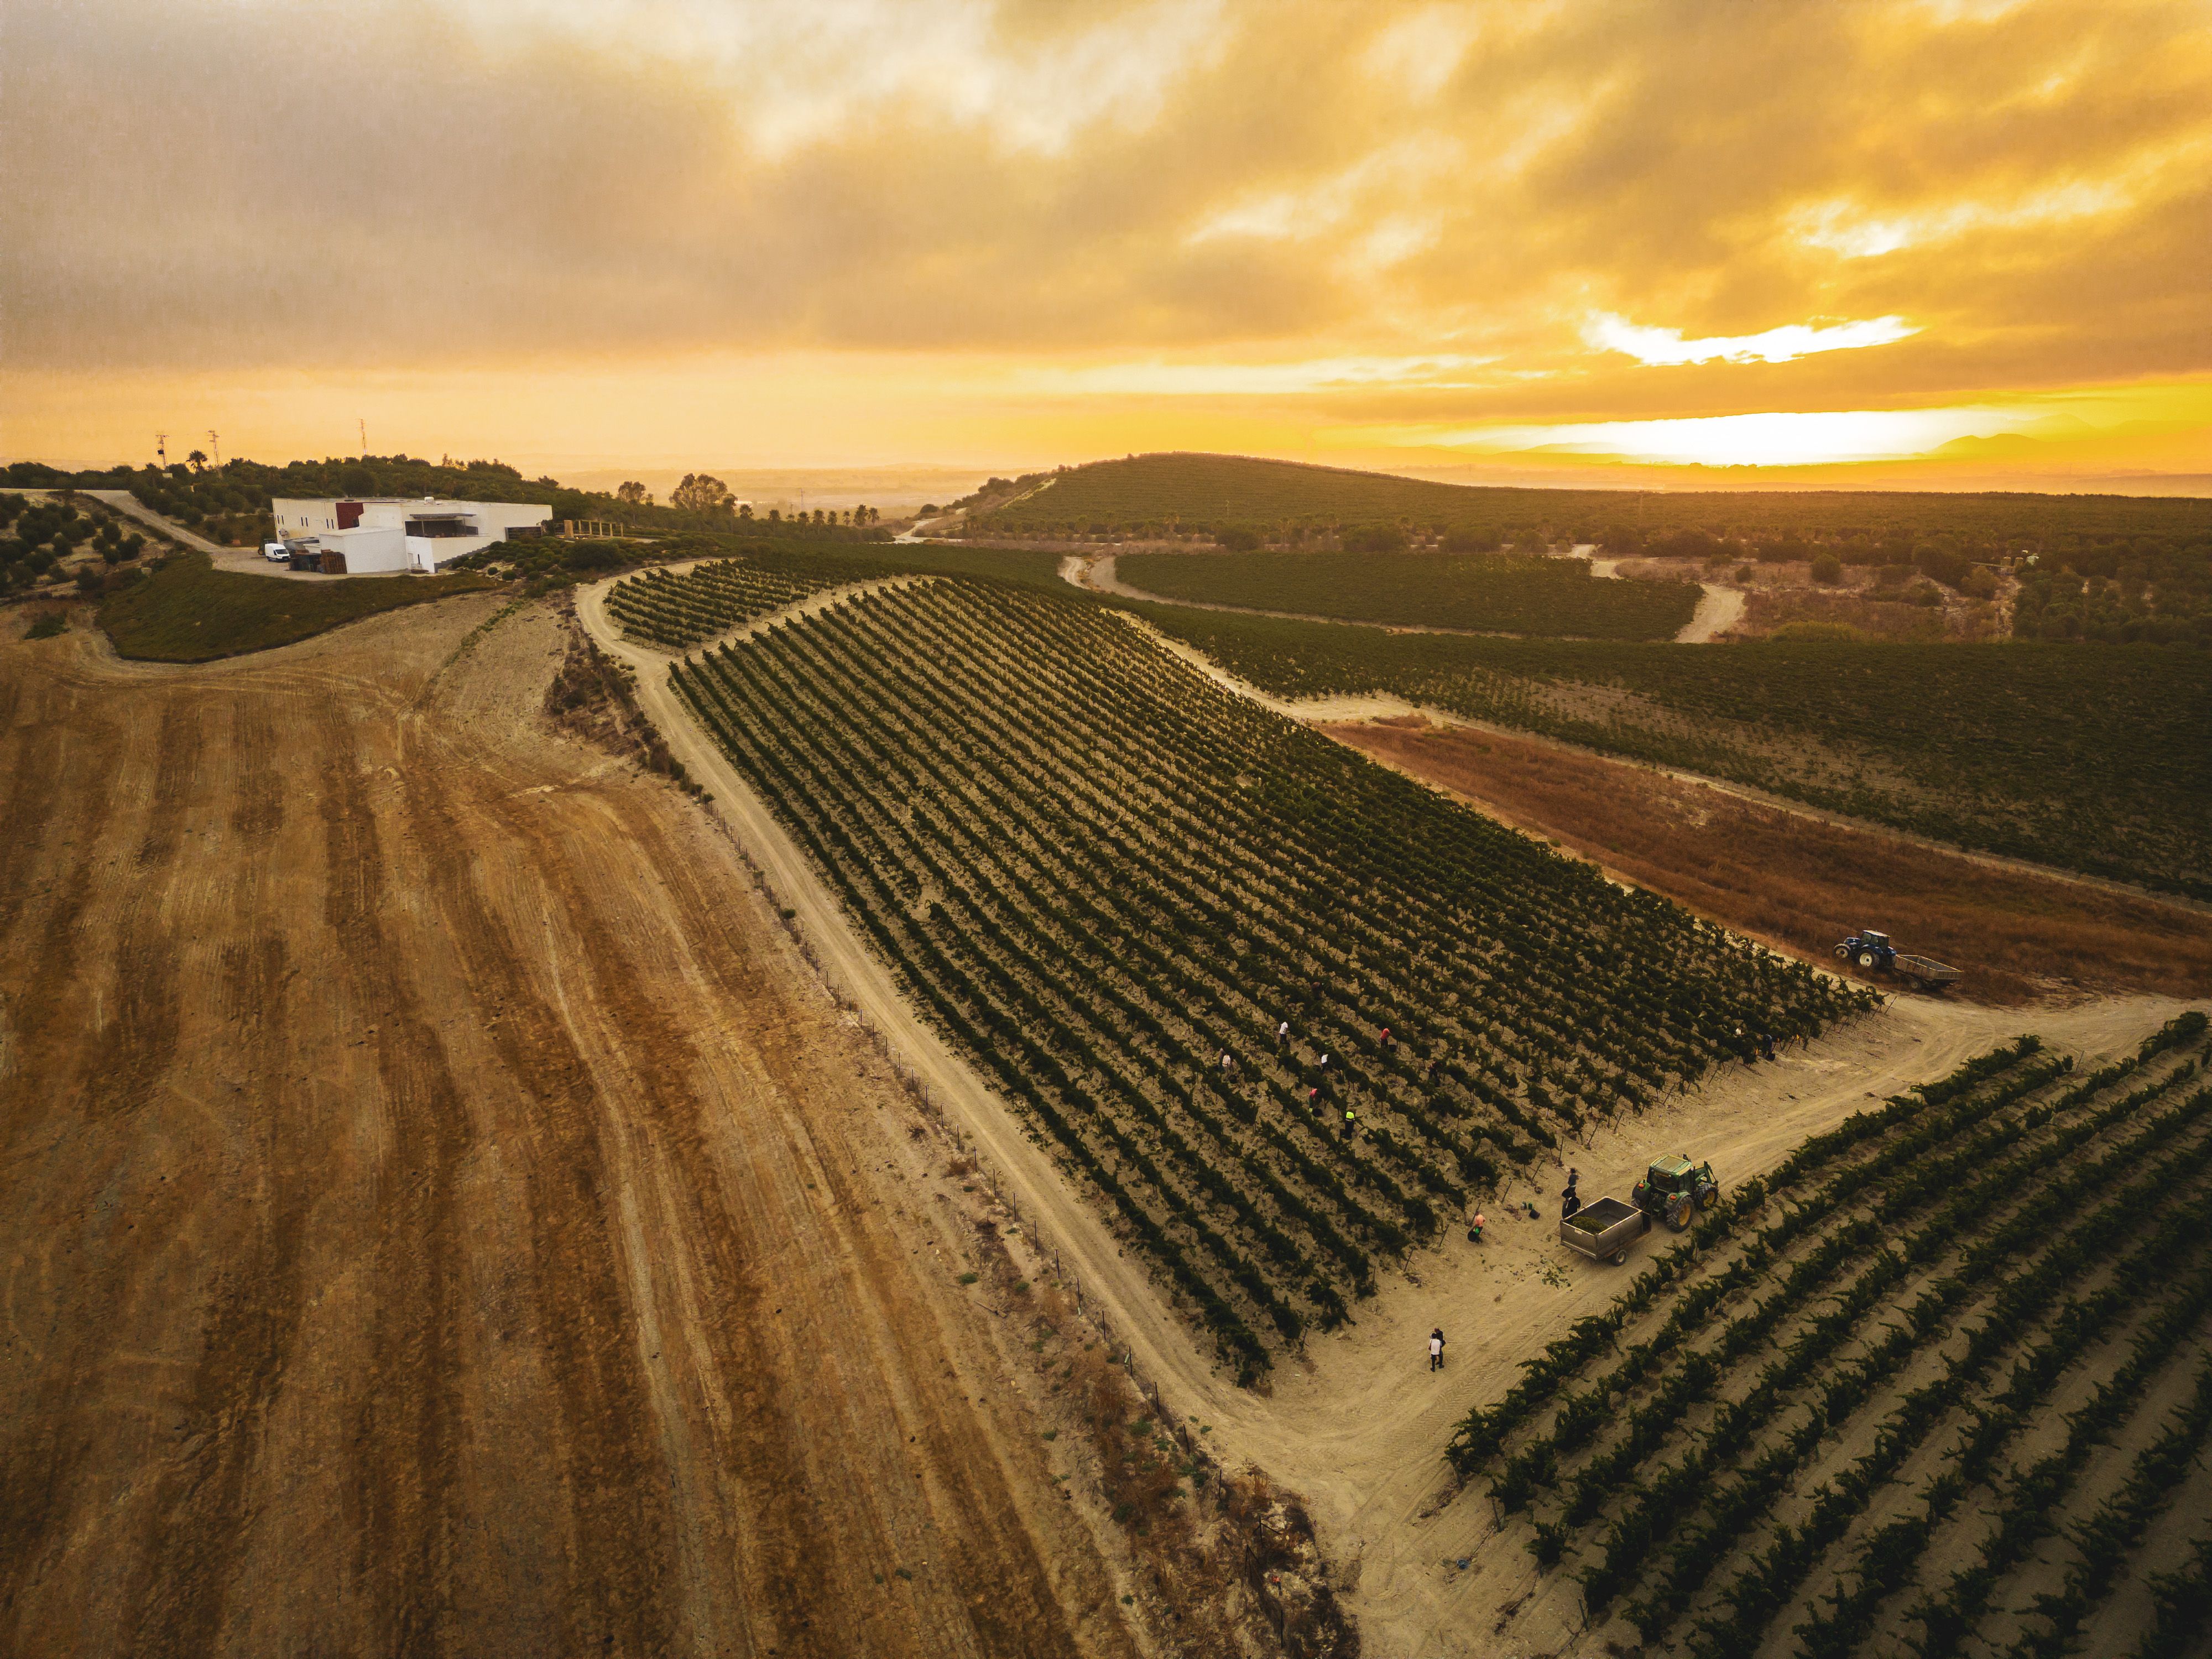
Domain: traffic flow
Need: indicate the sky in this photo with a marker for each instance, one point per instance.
(1928, 243)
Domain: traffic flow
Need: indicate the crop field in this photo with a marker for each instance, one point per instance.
(1107, 881)
(2071, 756)
(676, 610)
(1200, 491)
(1933, 1386)
(1485, 593)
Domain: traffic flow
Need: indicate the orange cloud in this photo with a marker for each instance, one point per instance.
(1309, 220)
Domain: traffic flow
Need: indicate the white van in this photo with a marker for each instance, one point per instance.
(276, 552)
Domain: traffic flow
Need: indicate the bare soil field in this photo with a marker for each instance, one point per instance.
(444, 1213)
(1801, 884)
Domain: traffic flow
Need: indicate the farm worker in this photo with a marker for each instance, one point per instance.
(1228, 1062)
(1282, 1033)
(1571, 1201)
(1475, 1232)
(1350, 1120)
(1767, 1044)
(1384, 1040)
(1436, 1349)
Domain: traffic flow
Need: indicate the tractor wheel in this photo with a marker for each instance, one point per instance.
(1842, 954)
(1679, 1216)
(1865, 958)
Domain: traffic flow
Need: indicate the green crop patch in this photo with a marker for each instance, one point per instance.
(190, 612)
(680, 609)
(1483, 594)
(1280, 1011)
(1928, 1402)
(2087, 759)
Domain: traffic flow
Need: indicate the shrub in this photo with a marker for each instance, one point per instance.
(1827, 570)
(1375, 539)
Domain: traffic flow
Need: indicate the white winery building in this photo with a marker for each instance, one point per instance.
(392, 532)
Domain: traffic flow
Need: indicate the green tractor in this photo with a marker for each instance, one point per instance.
(1673, 1190)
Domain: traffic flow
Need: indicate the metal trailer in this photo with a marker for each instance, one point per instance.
(1934, 974)
(1870, 949)
(1604, 1228)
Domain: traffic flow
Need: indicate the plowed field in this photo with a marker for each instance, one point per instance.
(442, 1214)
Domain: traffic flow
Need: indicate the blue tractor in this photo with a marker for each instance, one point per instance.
(1871, 951)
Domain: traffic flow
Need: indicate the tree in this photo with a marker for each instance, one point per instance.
(701, 492)
(1375, 539)
(631, 492)
(1827, 569)
(196, 460)
(357, 481)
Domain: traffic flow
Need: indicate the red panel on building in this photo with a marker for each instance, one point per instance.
(348, 514)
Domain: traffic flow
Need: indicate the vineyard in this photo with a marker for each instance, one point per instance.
(2071, 756)
(1933, 1386)
(1112, 884)
(714, 596)
(1486, 593)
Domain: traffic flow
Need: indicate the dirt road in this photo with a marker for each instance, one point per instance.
(1355, 1423)
(1719, 608)
(442, 1211)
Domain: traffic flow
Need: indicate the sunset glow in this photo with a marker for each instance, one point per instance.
(1945, 244)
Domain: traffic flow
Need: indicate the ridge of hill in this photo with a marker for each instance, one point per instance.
(1200, 491)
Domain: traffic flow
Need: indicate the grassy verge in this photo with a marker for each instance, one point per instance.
(190, 612)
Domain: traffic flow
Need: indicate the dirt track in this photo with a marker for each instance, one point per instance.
(444, 1213)
(1355, 1423)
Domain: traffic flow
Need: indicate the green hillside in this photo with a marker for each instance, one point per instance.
(1204, 492)
(189, 611)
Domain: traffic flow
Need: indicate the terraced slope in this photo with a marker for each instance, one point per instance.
(1110, 883)
(1931, 1388)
